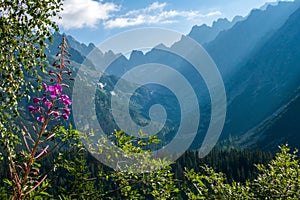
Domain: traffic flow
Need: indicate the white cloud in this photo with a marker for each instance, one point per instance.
(90, 13)
(85, 13)
(154, 14)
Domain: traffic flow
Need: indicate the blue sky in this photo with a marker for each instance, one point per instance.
(94, 21)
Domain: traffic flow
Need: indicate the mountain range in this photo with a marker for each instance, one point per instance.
(258, 58)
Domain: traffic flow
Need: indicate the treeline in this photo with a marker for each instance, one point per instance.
(238, 165)
(75, 166)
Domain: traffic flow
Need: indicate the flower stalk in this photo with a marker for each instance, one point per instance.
(47, 112)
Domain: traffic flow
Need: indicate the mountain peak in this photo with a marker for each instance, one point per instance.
(91, 45)
(205, 34)
(161, 46)
(136, 54)
(221, 22)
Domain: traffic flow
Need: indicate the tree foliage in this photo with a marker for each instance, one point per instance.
(24, 27)
(280, 179)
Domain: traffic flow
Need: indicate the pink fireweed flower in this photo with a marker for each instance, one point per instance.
(38, 109)
(50, 72)
(55, 90)
(65, 116)
(41, 119)
(31, 108)
(36, 100)
(66, 100)
(67, 111)
(55, 114)
(34, 109)
(48, 104)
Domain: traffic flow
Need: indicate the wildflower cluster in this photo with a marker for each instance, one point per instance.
(53, 103)
(47, 111)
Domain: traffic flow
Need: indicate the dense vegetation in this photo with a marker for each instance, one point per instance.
(42, 157)
(75, 174)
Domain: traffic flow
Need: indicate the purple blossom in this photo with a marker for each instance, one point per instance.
(55, 114)
(38, 109)
(34, 109)
(64, 96)
(55, 90)
(48, 104)
(36, 100)
(41, 119)
(65, 116)
(67, 111)
(31, 108)
(66, 100)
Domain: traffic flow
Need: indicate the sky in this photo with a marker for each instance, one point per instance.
(95, 21)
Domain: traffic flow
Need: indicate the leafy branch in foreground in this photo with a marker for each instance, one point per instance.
(280, 179)
(144, 178)
(24, 27)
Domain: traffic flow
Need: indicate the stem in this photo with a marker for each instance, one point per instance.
(32, 155)
(13, 171)
(62, 58)
(50, 151)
